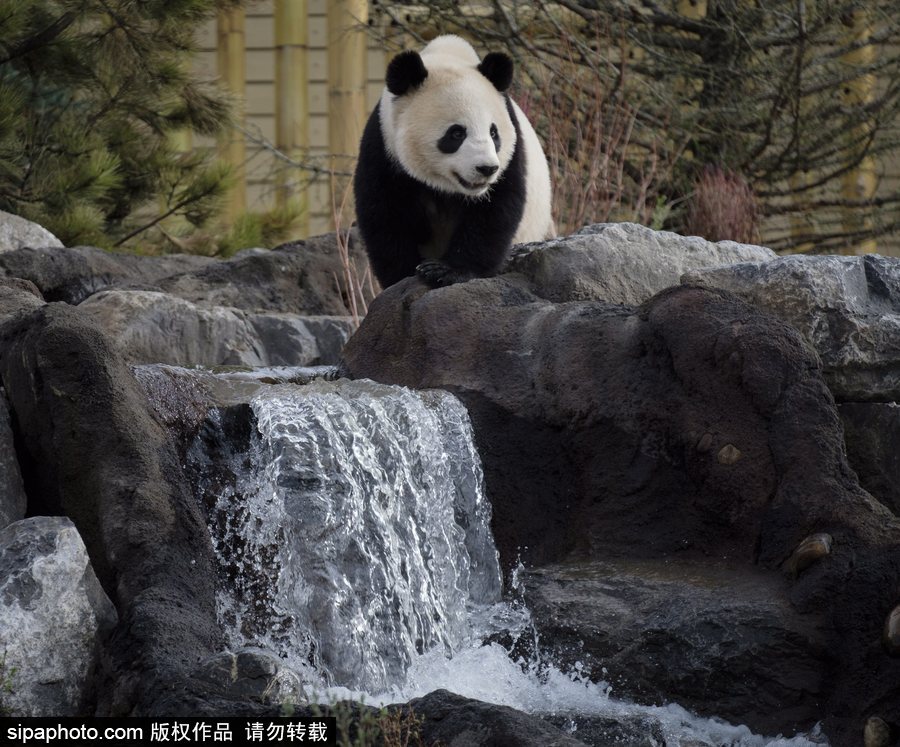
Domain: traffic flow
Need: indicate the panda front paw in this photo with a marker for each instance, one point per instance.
(438, 274)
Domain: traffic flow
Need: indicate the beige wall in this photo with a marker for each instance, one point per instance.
(260, 167)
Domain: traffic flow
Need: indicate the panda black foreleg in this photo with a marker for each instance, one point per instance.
(482, 239)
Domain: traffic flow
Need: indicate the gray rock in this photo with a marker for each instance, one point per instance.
(621, 731)
(456, 721)
(154, 327)
(251, 675)
(872, 435)
(72, 274)
(13, 501)
(847, 307)
(297, 278)
(16, 232)
(53, 614)
(622, 262)
(18, 295)
(721, 641)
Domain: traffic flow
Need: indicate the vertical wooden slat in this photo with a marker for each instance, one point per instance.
(346, 86)
(232, 65)
(292, 105)
(861, 182)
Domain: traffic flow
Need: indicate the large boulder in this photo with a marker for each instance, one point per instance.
(71, 274)
(847, 307)
(155, 327)
(90, 449)
(621, 262)
(693, 427)
(16, 232)
(300, 277)
(53, 618)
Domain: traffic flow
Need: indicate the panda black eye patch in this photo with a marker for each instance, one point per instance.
(452, 139)
(495, 136)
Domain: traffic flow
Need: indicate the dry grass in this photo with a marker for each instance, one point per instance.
(356, 285)
(722, 207)
(602, 168)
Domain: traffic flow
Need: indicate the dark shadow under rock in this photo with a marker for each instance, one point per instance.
(872, 434)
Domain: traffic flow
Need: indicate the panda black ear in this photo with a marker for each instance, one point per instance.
(405, 71)
(498, 69)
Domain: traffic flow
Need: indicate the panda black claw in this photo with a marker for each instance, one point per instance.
(438, 274)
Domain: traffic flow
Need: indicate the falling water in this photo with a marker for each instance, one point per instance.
(357, 534)
(353, 537)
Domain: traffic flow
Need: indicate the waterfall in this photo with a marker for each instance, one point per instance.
(353, 539)
(356, 533)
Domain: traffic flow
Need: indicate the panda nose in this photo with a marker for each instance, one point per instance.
(487, 169)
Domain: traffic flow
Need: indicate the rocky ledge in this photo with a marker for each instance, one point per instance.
(668, 461)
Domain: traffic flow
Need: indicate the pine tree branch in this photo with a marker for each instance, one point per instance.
(40, 39)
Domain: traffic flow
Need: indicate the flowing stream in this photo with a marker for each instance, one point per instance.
(354, 543)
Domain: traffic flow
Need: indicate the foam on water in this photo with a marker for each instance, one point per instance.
(486, 672)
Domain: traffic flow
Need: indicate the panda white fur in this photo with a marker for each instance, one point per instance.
(450, 171)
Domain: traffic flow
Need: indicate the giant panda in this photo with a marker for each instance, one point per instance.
(450, 171)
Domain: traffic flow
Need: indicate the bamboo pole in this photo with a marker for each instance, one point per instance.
(690, 88)
(346, 86)
(232, 66)
(861, 182)
(292, 106)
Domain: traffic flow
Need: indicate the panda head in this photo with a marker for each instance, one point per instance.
(444, 116)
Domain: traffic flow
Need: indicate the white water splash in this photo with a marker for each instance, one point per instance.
(487, 673)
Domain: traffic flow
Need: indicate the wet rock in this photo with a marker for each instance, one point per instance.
(872, 432)
(53, 616)
(847, 307)
(90, 449)
(13, 501)
(16, 232)
(455, 721)
(719, 640)
(600, 731)
(154, 327)
(621, 262)
(251, 675)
